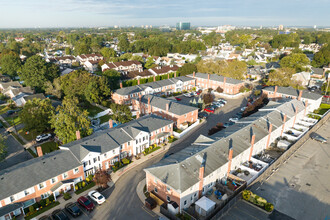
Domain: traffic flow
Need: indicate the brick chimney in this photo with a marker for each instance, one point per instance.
(275, 91)
(174, 74)
(39, 151)
(194, 74)
(138, 81)
(269, 133)
(167, 107)
(138, 114)
(300, 94)
(201, 179)
(154, 78)
(78, 134)
(252, 144)
(306, 104)
(110, 123)
(230, 157)
(149, 106)
(121, 85)
(283, 126)
(295, 116)
(168, 76)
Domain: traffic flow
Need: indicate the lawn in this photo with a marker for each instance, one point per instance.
(3, 109)
(17, 138)
(104, 118)
(49, 147)
(323, 109)
(29, 137)
(92, 110)
(13, 120)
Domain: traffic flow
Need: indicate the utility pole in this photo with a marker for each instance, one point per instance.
(326, 90)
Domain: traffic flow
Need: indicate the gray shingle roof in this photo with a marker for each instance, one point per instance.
(181, 170)
(24, 175)
(10, 208)
(174, 107)
(112, 138)
(217, 78)
(293, 92)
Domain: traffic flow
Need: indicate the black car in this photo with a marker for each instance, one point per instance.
(203, 115)
(73, 209)
(59, 215)
(46, 217)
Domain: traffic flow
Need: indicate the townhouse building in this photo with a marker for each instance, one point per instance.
(123, 66)
(12, 92)
(186, 176)
(9, 85)
(167, 86)
(162, 70)
(229, 85)
(91, 57)
(65, 60)
(91, 65)
(279, 92)
(24, 184)
(178, 113)
(103, 149)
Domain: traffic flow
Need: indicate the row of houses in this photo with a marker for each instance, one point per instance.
(60, 170)
(188, 175)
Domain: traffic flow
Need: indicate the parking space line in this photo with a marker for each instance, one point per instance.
(147, 211)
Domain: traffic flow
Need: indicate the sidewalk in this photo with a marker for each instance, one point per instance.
(13, 130)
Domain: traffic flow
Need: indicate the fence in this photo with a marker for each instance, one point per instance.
(180, 135)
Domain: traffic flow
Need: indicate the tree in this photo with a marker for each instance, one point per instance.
(36, 114)
(322, 58)
(149, 63)
(113, 77)
(208, 98)
(137, 58)
(67, 51)
(121, 113)
(69, 119)
(123, 43)
(108, 52)
(102, 177)
(280, 77)
(3, 147)
(296, 61)
(53, 88)
(97, 90)
(36, 72)
(10, 64)
(126, 56)
(187, 68)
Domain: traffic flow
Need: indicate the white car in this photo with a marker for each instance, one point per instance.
(194, 94)
(234, 119)
(96, 196)
(243, 109)
(43, 137)
(187, 95)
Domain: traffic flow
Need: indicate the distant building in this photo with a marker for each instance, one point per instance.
(165, 28)
(183, 26)
(280, 27)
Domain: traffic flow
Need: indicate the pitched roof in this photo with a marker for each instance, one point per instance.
(164, 69)
(181, 170)
(37, 96)
(5, 85)
(134, 74)
(32, 172)
(317, 71)
(293, 92)
(122, 63)
(174, 107)
(10, 208)
(217, 78)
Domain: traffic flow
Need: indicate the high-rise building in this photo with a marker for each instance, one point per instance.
(183, 26)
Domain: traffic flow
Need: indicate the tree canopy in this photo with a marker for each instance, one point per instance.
(10, 64)
(322, 58)
(121, 113)
(298, 61)
(234, 69)
(280, 77)
(186, 69)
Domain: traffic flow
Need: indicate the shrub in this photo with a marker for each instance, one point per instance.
(90, 177)
(104, 103)
(155, 145)
(125, 161)
(79, 185)
(269, 207)
(257, 92)
(76, 187)
(47, 201)
(87, 179)
(246, 194)
(66, 196)
(51, 197)
(42, 203)
(83, 184)
(31, 209)
(219, 89)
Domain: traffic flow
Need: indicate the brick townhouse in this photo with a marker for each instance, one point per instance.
(167, 86)
(165, 108)
(279, 92)
(229, 85)
(25, 183)
(102, 149)
(123, 66)
(162, 70)
(91, 57)
(186, 176)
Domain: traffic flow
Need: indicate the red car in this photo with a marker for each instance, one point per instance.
(326, 96)
(86, 203)
(209, 110)
(178, 99)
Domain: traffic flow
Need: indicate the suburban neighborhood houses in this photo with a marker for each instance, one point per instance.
(150, 121)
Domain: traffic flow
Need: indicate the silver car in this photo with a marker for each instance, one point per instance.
(318, 137)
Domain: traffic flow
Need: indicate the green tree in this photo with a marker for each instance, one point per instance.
(137, 58)
(108, 52)
(322, 58)
(36, 72)
(3, 148)
(123, 43)
(296, 61)
(10, 64)
(67, 51)
(36, 114)
(280, 77)
(113, 77)
(69, 119)
(121, 113)
(149, 63)
(187, 68)
(97, 90)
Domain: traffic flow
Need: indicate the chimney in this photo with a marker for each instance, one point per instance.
(300, 94)
(149, 106)
(269, 133)
(168, 76)
(252, 143)
(78, 134)
(138, 114)
(275, 91)
(174, 74)
(201, 179)
(110, 123)
(138, 81)
(167, 107)
(154, 78)
(230, 157)
(39, 151)
(283, 126)
(224, 84)
(306, 104)
(295, 116)
(194, 74)
(121, 85)
(208, 80)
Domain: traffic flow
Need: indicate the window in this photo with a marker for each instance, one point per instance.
(195, 195)
(89, 162)
(162, 129)
(85, 164)
(65, 175)
(185, 115)
(168, 189)
(12, 199)
(155, 180)
(105, 155)
(76, 170)
(41, 185)
(113, 151)
(45, 195)
(169, 126)
(94, 160)
(185, 202)
(53, 180)
(156, 190)
(136, 141)
(191, 198)
(98, 158)
(168, 198)
(129, 143)
(26, 192)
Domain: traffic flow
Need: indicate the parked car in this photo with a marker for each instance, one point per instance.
(227, 124)
(318, 137)
(239, 115)
(217, 104)
(96, 196)
(203, 115)
(59, 215)
(187, 95)
(43, 137)
(326, 96)
(234, 119)
(177, 99)
(194, 94)
(209, 109)
(45, 217)
(243, 109)
(73, 209)
(222, 100)
(86, 203)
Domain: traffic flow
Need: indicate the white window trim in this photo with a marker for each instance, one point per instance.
(66, 176)
(44, 183)
(52, 180)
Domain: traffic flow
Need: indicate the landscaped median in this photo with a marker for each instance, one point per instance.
(257, 200)
(84, 185)
(151, 149)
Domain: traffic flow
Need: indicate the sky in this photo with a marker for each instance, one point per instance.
(104, 13)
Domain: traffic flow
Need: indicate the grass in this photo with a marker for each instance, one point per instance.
(29, 137)
(32, 153)
(40, 211)
(92, 110)
(87, 187)
(323, 109)
(18, 138)
(4, 109)
(104, 118)
(13, 120)
(152, 150)
(49, 147)
(171, 140)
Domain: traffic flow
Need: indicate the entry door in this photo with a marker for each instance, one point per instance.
(17, 212)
